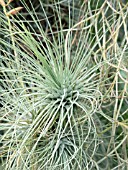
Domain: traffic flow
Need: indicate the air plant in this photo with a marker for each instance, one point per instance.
(51, 88)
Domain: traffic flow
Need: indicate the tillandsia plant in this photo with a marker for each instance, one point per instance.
(57, 80)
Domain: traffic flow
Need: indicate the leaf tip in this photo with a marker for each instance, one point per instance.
(14, 11)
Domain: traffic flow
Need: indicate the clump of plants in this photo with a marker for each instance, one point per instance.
(63, 85)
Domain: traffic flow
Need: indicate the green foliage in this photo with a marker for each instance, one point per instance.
(63, 85)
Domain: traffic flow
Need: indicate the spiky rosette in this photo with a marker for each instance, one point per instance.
(49, 95)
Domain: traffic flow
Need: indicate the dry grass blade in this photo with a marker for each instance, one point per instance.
(2, 3)
(14, 11)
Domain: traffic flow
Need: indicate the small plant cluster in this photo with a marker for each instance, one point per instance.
(63, 85)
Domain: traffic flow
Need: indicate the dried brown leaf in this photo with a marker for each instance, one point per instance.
(14, 11)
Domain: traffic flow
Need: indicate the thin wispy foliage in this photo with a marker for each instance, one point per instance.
(63, 85)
